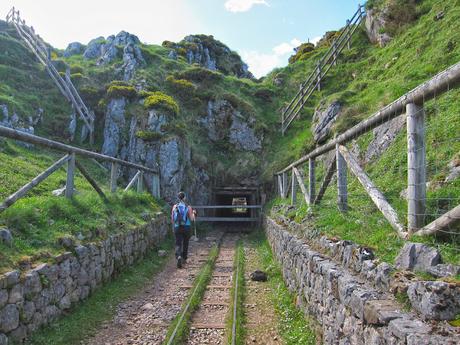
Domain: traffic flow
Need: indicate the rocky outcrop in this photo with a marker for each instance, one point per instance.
(224, 122)
(26, 124)
(375, 27)
(323, 119)
(383, 137)
(124, 45)
(417, 257)
(168, 154)
(74, 48)
(40, 296)
(209, 53)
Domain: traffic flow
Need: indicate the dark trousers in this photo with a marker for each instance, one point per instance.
(182, 234)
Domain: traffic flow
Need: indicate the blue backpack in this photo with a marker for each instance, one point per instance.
(180, 215)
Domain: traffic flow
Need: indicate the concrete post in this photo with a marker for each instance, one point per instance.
(140, 182)
(70, 183)
(156, 186)
(311, 180)
(342, 193)
(416, 167)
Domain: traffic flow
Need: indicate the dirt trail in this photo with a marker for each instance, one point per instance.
(145, 318)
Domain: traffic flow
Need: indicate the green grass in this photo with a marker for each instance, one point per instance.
(86, 318)
(293, 325)
(240, 317)
(199, 288)
(366, 79)
(39, 220)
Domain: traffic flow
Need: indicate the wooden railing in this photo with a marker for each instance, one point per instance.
(313, 82)
(70, 158)
(42, 52)
(412, 104)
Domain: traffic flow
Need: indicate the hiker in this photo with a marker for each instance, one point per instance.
(182, 215)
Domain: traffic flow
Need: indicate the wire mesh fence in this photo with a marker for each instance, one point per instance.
(400, 169)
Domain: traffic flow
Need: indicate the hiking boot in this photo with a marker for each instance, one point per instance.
(179, 262)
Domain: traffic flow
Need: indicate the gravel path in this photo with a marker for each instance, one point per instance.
(145, 318)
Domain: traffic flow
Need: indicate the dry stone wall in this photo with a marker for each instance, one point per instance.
(38, 297)
(351, 308)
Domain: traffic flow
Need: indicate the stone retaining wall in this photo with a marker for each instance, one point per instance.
(38, 297)
(349, 309)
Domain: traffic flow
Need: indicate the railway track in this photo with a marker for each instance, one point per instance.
(210, 314)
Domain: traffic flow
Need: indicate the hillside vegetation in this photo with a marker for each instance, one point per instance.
(178, 81)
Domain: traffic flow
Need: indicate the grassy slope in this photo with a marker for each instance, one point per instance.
(39, 220)
(382, 75)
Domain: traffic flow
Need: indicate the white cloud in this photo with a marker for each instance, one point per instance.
(262, 63)
(315, 40)
(286, 47)
(243, 5)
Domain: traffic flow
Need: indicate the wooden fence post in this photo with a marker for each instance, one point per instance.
(318, 73)
(311, 180)
(342, 194)
(70, 183)
(348, 34)
(416, 167)
(140, 182)
(293, 189)
(113, 177)
(285, 185)
(334, 53)
(156, 186)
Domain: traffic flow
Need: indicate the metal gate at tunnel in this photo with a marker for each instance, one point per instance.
(232, 204)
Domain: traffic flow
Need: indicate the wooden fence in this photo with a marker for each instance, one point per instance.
(42, 52)
(70, 159)
(412, 104)
(313, 82)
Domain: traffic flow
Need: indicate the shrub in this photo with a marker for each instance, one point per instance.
(264, 94)
(149, 135)
(182, 87)
(159, 100)
(178, 128)
(76, 76)
(76, 69)
(119, 89)
(302, 52)
(200, 75)
(239, 103)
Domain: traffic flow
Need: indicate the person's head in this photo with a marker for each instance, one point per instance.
(181, 196)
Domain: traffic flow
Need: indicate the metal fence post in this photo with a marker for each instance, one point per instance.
(70, 183)
(342, 194)
(416, 167)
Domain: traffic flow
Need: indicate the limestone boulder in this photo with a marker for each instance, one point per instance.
(417, 256)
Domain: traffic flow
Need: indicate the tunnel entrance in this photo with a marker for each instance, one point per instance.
(232, 204)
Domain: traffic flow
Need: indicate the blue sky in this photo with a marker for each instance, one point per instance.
(263, 32)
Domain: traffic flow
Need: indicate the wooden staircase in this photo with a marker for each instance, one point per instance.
(313, 82)
(35, 43)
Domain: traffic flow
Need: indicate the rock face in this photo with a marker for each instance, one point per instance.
(417, 256)
(209, 53)
(375, 25)
(124, 45)
(167, 154)
(384, 136)
(435, 300)
(6, 237)
(46, 292)
(25, 124)
(224, 122)
(323, 119)
(74, 48)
